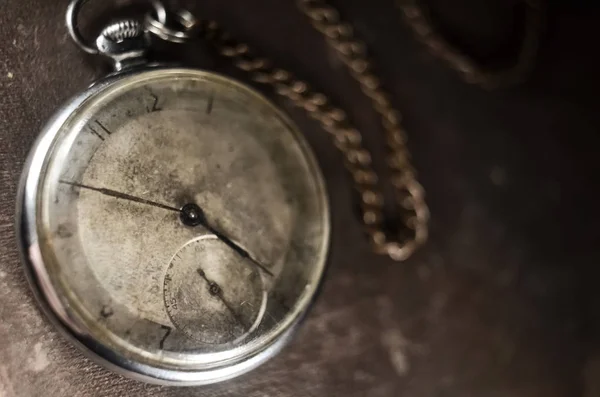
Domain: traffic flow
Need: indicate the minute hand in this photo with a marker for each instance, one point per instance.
(200, 219)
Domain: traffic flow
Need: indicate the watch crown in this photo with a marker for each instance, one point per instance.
(125, 41)
(122, 30)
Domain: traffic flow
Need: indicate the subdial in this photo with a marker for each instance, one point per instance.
(212, 294)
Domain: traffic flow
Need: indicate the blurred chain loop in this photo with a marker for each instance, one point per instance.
(469, 70)
(408, 193)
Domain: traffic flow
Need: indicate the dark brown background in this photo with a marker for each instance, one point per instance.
(502, 302)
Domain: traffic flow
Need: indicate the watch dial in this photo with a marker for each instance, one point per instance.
(184, 221)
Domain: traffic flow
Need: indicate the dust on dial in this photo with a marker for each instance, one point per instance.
(185, 217)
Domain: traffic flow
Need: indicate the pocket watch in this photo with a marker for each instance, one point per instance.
(174, 223)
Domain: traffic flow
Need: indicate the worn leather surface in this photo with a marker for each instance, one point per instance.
(502, 302)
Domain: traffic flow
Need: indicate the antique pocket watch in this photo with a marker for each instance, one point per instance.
(174, 223)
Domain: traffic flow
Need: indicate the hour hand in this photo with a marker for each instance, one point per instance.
(192, 215)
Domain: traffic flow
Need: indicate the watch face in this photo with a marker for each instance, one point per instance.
(177, 221)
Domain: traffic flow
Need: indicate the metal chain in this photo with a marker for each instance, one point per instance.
(408, 193)
(468, 69)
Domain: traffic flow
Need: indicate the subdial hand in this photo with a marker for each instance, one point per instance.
(215, 290)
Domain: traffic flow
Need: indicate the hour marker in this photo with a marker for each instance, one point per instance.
(103, 127)
(209, 105)
(64, 231)
(161, 344)
(93, 131)
(99, 132)
(154, 107)
(106, 311)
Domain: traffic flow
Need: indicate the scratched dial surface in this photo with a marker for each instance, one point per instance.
(184, 216)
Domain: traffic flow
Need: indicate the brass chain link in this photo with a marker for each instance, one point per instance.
(407, 191)
(468, 69)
